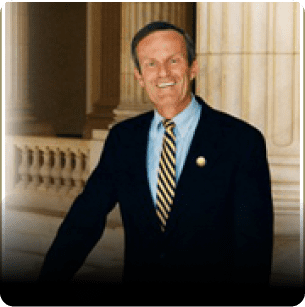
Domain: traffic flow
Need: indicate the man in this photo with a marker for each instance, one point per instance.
(192, 183)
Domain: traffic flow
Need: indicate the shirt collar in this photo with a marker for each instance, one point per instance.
(182, 120)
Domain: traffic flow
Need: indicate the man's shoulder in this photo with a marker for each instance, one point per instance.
(233, 122)
(133, 124)
(135, 121)
(232, 127)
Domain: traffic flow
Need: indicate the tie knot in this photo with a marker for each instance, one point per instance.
(168, 124)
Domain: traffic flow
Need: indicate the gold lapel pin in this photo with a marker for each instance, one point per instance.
(201, 161)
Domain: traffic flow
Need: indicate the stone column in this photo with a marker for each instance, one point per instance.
(103, 64)
(133, 99)
(20, 118)
(249, 58)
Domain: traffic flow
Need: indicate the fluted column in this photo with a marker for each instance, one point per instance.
(103, 64)
(133, 99)
(20, 118)
(249, 58)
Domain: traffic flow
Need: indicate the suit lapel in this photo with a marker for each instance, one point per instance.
(204, 144)
(147, 209)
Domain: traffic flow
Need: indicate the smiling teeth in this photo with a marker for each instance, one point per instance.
(166, 84)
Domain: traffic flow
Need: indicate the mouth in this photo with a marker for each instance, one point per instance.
(166, 84)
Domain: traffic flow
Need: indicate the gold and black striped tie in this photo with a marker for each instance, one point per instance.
(166, 184)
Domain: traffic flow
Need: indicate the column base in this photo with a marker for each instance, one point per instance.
(123, 114)
(95, 122)
(29, 126)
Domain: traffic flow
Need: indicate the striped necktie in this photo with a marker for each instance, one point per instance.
(166, 184)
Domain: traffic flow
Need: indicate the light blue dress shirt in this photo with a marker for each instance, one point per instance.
(186, 123)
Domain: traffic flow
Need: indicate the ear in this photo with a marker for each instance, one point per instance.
(194, 69)
(139, 77)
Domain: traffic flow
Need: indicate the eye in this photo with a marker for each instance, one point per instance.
(151, 64)
(174, 61)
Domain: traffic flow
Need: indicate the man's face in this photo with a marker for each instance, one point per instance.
(165, 73)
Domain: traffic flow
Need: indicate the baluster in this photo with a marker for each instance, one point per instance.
(34, 169)
(86, 160)
(23, 169)
(13, 180)
(77, 173)
(45, 169)
(56, 170)
(67, 171)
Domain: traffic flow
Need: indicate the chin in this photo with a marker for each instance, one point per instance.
(170, 99)
(163, 101)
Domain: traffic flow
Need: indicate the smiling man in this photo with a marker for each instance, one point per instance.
(192, 184)
(165, 71)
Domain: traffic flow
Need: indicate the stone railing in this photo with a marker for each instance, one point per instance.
(50, 164)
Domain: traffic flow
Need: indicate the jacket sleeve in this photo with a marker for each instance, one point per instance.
(85, 221)
(253, 215)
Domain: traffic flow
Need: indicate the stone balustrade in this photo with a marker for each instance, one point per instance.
(45, 166)
(50, 164)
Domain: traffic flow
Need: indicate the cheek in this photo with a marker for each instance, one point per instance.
(149, 76)
(150, 88)
(184, 78)
(149, 81)
(182, 73)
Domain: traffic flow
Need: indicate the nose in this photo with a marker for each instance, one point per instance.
(163, 70)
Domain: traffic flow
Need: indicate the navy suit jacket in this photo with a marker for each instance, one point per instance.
(220, 227)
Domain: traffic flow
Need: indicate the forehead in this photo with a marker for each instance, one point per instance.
(161, 42)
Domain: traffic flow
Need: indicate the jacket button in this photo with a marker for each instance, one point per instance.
(162, 255)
